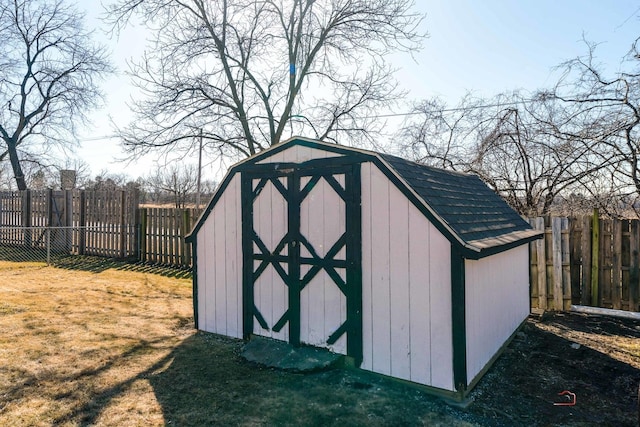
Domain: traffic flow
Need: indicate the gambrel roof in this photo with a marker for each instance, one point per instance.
(461, 206)
(477, 215)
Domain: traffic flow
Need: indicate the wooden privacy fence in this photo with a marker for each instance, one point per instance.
(100, 223)
(586, 261)
(163, 233)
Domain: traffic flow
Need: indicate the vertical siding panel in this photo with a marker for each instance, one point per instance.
(497, 291)
(419, 303)
(440, 309)
(399, 284)
(204, 281)
(380, 272)
(263, 285)
(305, 299)
(220, 263)
(231, 265)
(210, 265)
(367, 317)
(334, 226)
(238, 256)
(315, 291)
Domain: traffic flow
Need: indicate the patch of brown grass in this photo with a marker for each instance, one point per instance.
(76, 346)
(115, 347)
(108, 344)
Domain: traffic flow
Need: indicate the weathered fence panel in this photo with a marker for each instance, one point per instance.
(586, 260)
(101, 223)
(163, 233)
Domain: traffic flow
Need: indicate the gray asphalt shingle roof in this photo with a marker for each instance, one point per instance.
(467, 205)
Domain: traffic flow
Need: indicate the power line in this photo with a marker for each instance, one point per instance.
(451, 110)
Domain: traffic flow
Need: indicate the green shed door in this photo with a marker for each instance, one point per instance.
(301, 243)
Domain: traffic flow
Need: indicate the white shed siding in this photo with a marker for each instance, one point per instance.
(270, 291)
(220, 266)
(406, 279)
(497, 301)
(323, 307)
(298, 154)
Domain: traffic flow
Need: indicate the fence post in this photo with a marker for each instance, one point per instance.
(585, 290)
(82, 243)
(68, 221)
(616, 272)
(143, 235)
(186, 247)
(634, 274)
(575, 258)
(123, 231)
(556, 248)
(48, 234)
(595, 249)
(26, 216)
(542, 265)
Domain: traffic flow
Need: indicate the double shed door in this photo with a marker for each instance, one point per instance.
(302, 274)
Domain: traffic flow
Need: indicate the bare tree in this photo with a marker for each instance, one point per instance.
(511, 141)
(177, 181)
(249, 73)
(604, 113)
(441, 136)
(48, 72)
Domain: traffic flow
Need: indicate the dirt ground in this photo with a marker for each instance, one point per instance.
(114, 345)
(595, 357)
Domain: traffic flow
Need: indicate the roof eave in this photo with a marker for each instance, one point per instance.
(481, 248)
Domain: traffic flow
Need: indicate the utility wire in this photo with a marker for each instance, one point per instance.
(450, 110)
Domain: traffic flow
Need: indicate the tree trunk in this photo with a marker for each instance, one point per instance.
(12, 148)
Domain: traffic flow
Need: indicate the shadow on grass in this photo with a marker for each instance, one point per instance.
(99, 264)
(204, 381)
(208, 383)
(92, 264)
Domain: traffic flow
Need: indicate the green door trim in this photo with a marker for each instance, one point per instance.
(294, 194)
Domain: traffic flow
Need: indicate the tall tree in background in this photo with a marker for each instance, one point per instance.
(178, 181)
(48, 72)
(603, 111)
(249, 73)
(517, 143)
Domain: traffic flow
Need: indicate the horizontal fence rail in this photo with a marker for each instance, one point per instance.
(585, 260)
(45, 244)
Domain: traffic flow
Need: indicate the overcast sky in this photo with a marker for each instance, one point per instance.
(487, 47)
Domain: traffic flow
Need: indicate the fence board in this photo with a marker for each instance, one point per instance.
(542, 267)
(556, 244)
(616, 272)
(634, 241)
(585, 294)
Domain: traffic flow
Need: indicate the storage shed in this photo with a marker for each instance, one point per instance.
(411, 271)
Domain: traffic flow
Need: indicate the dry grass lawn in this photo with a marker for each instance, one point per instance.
(112, 344)
(115, 347)
(77, 347)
